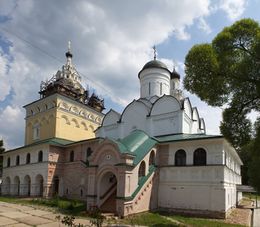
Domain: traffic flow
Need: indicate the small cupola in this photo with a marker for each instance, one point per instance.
(154, 78)
(175, 85)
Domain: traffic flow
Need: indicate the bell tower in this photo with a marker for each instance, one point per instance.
(65, 109)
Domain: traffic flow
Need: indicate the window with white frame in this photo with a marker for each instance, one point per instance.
(36, 131)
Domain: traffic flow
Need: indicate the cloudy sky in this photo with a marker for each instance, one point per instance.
(111, 41)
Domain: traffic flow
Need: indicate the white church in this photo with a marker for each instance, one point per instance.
(155, 155)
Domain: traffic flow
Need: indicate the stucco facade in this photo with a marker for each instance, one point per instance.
(154, 155)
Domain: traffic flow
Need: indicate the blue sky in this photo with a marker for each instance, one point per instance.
(110, 42)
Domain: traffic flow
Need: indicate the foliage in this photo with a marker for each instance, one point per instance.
(226, 73)
(69, 221)
(1, 146)
(254, 168)
(1, 151)
(96, 218)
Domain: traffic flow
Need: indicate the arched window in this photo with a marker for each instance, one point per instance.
(40, 156)
(141, 171)
(180, 158)
(200, 157)
(8, 162)
(88, 153)
(28, 158)
(152, 158)
(72, 156)
(81, 192)
(17, 160)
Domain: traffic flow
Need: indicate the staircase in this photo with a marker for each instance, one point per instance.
(109, 206)
(141, 199)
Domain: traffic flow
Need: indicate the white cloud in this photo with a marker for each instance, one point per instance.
(110, 42)
(203, 25)
(233, 8)
(7, 6)
(12, 126)
(4, 85)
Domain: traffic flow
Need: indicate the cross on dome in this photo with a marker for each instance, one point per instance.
(154, 52)
(69, 54)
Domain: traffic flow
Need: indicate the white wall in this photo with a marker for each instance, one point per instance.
(159, 80)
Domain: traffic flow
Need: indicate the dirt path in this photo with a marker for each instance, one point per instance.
(19, 216)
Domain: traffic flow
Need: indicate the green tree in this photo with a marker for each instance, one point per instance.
(226, 73)
(254, 167)
(1, 151)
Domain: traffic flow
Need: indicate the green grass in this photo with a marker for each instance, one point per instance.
(156, 220)
(148, 219)
(72, 207)
(201, 222)
(251, 195)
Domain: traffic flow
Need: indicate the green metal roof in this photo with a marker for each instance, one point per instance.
(181, 137)
(51, 141)
(138, 143)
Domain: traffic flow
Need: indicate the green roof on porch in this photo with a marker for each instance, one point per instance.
(138, 143)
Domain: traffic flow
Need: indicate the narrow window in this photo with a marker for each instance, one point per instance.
(180, 158)
(28, 158)
(40, 156)
(36, 131)
(141, 171)
(88, 153)
(149, 88)
(81, 192)
(200, 157)
(152, 158)
(160, 88)
(72, 156)
(8, 162)
(17, 160)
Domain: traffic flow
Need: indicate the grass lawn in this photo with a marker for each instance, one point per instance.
(156, 220)
(71, 207)
(251, 196)
(201, 222)
(77, 208)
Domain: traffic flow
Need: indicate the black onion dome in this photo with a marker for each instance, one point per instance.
(68, 54)
(154, 64)
(175, 75)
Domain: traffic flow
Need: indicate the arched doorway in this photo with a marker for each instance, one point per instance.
(7, 186)
(27, 186)
(107, 192)
(56, 182)
(17, 186)
(39, 185)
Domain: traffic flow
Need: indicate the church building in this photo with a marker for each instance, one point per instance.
(155, 155)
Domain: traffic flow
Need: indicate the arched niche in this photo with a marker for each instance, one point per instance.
(134, 117)
(65, 119)
(75, 122)
(196, 120)
(112, 117)
(165, 104)
(187, 107)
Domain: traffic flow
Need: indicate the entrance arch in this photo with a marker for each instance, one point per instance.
(56, 182)
(17, 186)
(27, 185)
(107, 192)
(7, 186)
(39, 185)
